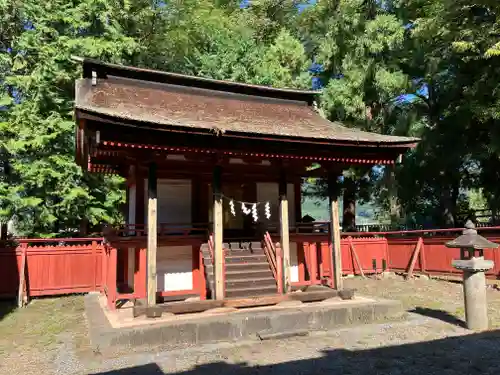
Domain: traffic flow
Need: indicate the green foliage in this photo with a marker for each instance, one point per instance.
(40, 183)
(427, 68)
(44, 188)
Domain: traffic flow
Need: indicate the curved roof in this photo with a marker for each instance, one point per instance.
(172, 100)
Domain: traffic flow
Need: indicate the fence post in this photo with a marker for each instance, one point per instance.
(112, 284)
(23, 290)
(355, 256)
(414, 257)
(422, 257)
(104, 269)
(94, 261)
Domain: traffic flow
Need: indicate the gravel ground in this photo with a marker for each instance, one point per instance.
(437, 298)
(431, 341)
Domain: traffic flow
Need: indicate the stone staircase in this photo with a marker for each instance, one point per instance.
(247, 270)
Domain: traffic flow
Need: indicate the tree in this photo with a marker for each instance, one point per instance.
(45, 189)
(451, 53)
(359, 45)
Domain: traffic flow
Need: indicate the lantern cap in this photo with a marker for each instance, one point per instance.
(471, 240)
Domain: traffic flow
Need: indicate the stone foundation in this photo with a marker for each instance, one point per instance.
(246, 324)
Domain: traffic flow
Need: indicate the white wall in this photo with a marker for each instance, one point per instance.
(174, 264)
(294, 263)
(174, 201)
(269, 191)
(174, 268)
(132, 202)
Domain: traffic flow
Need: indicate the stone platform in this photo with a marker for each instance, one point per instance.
(119, 330)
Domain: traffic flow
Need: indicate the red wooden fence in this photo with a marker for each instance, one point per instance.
(53, 267)
(79, 265)
(434, 257)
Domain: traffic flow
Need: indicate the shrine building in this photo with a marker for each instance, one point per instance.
(214, 171)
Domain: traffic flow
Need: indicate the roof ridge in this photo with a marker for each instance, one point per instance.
(103, 69)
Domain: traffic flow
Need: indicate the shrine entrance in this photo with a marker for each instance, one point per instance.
(237, 225)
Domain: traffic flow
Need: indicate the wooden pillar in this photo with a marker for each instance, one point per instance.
(313, 255)
(284, 232)
(298, 218)
(298, 200)
(152, 235)
(112, 280)
(336, 260)
(218, 233)
(139, 199)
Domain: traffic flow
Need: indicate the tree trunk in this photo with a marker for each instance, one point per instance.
(3, 231)
(84, 226)
(349, 206)
(392, 194)
(448, 206)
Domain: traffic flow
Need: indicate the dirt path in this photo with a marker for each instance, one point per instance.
(49, 337)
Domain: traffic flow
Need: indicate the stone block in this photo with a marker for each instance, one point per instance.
(154, 311)
(361, 314)
(384, 310)
(277, 322)
(290, 321)
(180, 334)
(251, 325)
(217, 331)
(139, 310)
(326, 319)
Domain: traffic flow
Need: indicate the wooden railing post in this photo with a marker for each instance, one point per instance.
(219, 265)
(94, 261)
(279, 270)
(274, 258)
(336, 258)
(152, 236)
(104, 268)
(284, 231)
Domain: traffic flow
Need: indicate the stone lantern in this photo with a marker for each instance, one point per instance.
(474, 266)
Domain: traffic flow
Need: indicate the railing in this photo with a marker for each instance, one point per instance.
(211, 248)
(171, 229)
(313, 228)
(420, 232)
(211, 251)
(273, 254)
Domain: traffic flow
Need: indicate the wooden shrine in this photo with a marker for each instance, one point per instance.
(213, 171)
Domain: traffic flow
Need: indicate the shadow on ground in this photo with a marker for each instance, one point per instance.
(6, 307)
(472, 354)
(440, 315)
